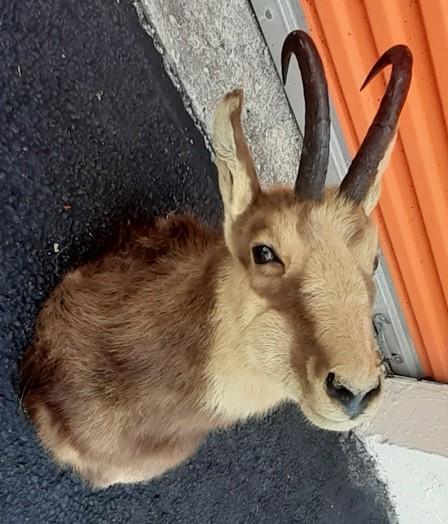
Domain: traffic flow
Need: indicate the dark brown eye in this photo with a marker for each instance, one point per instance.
(264, 254)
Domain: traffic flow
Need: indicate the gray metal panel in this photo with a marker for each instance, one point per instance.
(276, 19)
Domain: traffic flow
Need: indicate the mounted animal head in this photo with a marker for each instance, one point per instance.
(309, 252)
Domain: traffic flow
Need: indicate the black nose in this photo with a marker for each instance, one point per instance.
(353, 404)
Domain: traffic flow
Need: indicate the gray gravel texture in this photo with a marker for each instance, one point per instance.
(211, 47)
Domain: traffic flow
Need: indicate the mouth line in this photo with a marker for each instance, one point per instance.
(330, 420)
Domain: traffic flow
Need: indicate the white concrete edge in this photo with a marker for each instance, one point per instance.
(414, 415)
(417, 482)
(408, 440)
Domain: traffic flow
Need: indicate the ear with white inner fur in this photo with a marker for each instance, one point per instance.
(372, 197)
(238, 181)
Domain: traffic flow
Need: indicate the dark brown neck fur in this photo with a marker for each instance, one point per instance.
(134, 327)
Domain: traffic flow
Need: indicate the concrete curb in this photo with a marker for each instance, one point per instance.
(408, 440)
(221, 42)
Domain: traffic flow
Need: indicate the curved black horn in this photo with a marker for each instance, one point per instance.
(313, 165)
(364, 166)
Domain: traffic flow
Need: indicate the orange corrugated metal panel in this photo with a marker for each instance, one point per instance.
(413, 210)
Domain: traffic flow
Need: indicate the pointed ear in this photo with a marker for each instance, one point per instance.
(238, 181)
(373, 194)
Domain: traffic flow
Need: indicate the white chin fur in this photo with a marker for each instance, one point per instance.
(328, 424)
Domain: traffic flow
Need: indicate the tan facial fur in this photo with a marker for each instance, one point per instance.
(304, 317)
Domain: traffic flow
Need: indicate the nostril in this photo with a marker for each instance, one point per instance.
(338, 391)
(353, 404)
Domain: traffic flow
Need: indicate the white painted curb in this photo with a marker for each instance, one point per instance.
(408, 439)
